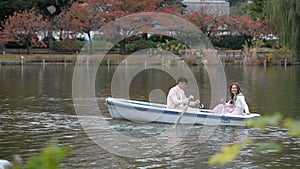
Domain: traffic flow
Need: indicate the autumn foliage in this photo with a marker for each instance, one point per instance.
(248, 28)
(209, 24)
(24, 27)
(85, 16)
(244, 25)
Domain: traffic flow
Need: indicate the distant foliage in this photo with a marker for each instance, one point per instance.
(139, 45)
(228, 42)
(24, 26)
(248, 28)
(102, 45)
(174, 46)
(285, 16)
(236, 2)
(209, 24)
(238, 7)
(256, 8)
(69, 45)
(214, 26)
(160, 38)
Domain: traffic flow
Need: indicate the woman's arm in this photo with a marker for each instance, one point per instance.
(241, 102)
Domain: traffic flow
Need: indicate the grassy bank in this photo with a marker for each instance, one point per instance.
(15, 59)
(53, 58)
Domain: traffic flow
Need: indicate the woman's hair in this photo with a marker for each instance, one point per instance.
(233, 97)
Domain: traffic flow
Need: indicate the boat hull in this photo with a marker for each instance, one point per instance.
(139, 111)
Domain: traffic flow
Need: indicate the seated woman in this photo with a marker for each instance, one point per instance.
(236, 106)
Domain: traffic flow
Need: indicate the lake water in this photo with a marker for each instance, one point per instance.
(36, 105)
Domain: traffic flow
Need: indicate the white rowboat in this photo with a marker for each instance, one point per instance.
(140, 111)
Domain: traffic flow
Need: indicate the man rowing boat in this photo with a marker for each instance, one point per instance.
(176, 98)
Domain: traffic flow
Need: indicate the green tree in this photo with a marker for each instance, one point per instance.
(286, 15)
(8, 7)
(236, 2)
(256, 8)
(237, 7)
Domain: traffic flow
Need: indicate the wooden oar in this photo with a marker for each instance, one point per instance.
(182, 113)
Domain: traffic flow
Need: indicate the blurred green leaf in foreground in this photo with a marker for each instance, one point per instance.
(231, 152)
(50, 158)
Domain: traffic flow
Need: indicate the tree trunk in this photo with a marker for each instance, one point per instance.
(28, 50)
(249, 43)
(248, 40)
(145, 36)
(90, 42)
(50, 39)
(50, 33)
(61, 34)
(123, 47)
(28, 44)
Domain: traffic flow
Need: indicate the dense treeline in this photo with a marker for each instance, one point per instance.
(285, 15)
(69, 18)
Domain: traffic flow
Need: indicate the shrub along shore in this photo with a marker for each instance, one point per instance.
(17, 59)
(114, 59)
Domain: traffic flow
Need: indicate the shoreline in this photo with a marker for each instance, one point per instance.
(116, 59)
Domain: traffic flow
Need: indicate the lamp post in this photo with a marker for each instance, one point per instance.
(52, 10)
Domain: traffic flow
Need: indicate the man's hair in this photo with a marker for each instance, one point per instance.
(182, 79)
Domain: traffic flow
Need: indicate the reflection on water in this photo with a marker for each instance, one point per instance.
(36, 105)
